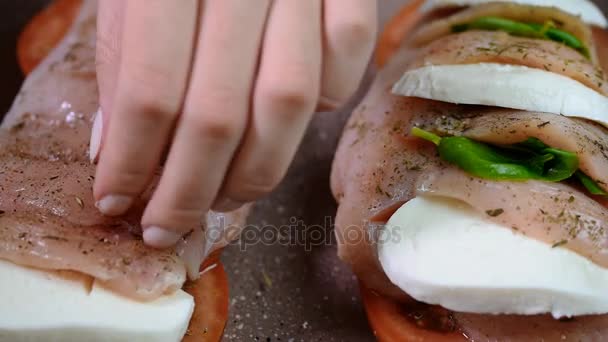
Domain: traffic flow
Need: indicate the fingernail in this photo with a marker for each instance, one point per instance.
(159, 237)
(113, 205)
(95, 141)
(227, 204)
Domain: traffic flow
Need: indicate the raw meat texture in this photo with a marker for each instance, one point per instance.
(499, 47)
(508, 10)
(47, 215)
(378, 165)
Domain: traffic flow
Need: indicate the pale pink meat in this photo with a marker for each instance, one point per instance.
(516, 11)
(487, 328)
(375, 169)
(47, 214)
(588, 140)
(499, 47)
(378, 167)
(554, 213)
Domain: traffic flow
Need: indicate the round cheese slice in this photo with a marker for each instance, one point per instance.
(586, 9)
(504, 85)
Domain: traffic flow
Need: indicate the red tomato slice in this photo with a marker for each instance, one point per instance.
(44, 32)
(600, 36)
(603, 200)
(390, 324)
(210, 294)
(396, 29)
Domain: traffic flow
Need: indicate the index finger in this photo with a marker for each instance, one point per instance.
(151, 84)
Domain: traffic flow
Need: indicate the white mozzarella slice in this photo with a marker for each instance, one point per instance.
(504, 85)
(440, 251)
(36, 305)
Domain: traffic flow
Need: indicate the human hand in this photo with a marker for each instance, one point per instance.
(225, 87)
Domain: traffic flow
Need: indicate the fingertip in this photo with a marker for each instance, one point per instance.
(158, 237)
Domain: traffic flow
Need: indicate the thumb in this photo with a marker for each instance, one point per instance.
(110, 18)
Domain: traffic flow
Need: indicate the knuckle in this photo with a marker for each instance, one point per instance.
(121, 176)
(150, 91)
(353, 36)
(246, 185)
(151, 108)
(125, 166)
(295, 92)
(150, 103)
(222, 111)
(337, 94)
(218, 128)
(255, 186)
(129, 178)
